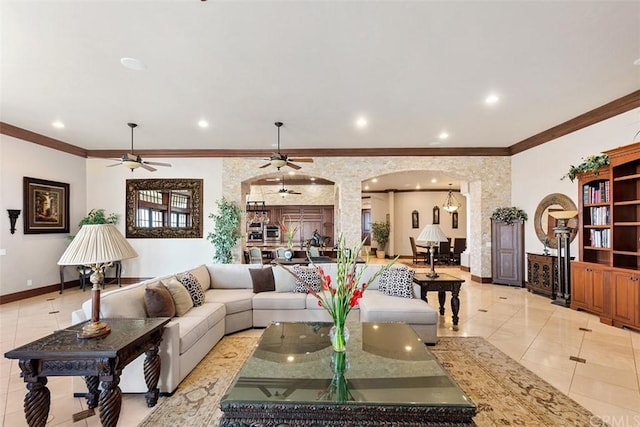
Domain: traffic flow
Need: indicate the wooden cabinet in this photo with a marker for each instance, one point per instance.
(310, 219)
(590, 290)
(507, 253)
(542, 274)
(625, 304)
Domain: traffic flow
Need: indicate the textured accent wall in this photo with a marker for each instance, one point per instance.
(489, 178)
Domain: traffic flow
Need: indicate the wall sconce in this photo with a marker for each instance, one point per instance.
(13, 216)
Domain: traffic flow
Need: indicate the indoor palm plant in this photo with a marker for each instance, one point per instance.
(226, 230)
(380, 232)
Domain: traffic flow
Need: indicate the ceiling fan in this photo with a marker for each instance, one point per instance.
(283, 191)
(280, 160)
(133, 161)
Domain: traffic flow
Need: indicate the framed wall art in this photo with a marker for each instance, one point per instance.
(415, 219)
(436, 215)
(46, 206)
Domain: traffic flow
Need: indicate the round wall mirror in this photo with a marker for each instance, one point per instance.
(544, 223)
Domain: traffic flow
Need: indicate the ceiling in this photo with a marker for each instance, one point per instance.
(412, 69)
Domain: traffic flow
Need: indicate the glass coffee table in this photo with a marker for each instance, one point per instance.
(386, 377)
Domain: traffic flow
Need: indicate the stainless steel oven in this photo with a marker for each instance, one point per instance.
(271, 233)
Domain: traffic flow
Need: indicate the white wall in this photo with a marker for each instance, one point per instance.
(106, 189)
(34, 257)
(537, 172)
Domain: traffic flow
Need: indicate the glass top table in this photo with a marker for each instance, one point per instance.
(387, 375)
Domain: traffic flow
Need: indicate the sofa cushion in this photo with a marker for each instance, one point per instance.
(192, 328)
(307, 277)
(214, 312)
(285, 281)
(235, 300)
(158, 301)
(229, 276)
(378, 307)
(390, 275)
(180, 295)
(398, 282)
(193, 286)
(202, 274)
(127, 302)
(368, 272)
(262, 279)
(279, 301)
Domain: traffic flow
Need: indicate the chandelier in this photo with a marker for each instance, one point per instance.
(451, 204)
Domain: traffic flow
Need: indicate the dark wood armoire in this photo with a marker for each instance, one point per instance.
(507, 253)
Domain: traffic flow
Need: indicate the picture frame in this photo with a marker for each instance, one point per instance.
(415, 219)
(46, 206)
(454, 220)
(436, 215)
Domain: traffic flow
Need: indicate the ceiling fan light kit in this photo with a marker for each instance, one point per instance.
(280, 160)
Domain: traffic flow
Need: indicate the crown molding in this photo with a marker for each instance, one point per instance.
(36, 138)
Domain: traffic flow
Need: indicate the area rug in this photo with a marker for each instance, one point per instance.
(505, 393)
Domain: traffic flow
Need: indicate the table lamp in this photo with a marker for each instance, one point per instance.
(432, 234)
(96, 246)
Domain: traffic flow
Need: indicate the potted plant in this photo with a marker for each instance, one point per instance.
(590, 164)
(380, 232)
(97, 216)
(226, 230)
(509, 215)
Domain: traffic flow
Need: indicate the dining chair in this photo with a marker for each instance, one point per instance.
(459, 246)
(313, 251)
(444, 253)
(255, 256)
(418, 254)
(280, 252)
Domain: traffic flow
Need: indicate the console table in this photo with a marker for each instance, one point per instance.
(442, 284)
(98, 360)
(542, 273)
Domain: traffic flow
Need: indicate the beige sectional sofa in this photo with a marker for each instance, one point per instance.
(231, 305)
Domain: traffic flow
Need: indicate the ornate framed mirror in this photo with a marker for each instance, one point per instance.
(164, 208)
(544, 223)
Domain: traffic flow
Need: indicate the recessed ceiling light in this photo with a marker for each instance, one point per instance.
(361, 122)
(491, 99)
(433, 180)
(374, 180)
(443, 135)
(203, 124)
(133, 64)
(366, 187)
(57, 124)
(292, 173)
(636, 62)
(313, 178)
(418, 187)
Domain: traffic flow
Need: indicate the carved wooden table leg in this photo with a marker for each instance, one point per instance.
(92, 395)
(152, 373)
(38, 399)
(442, 296)
(455, 307)
(110, 401)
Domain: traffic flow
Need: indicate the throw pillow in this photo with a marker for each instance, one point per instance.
(158, 301)
(262, 279)
(190, 282)
(180, 295)
(307, 276)
(399, 283)
(384, 277)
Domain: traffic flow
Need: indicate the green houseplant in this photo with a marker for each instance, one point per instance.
(590, 164)
(509, 215)
(381, 231)
(97, 216)
(226, 230)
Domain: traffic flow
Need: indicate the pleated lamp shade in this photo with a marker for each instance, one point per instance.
(97, 244)
(432, 234)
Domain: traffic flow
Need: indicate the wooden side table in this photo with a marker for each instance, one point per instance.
(98, 360)
(442, 284)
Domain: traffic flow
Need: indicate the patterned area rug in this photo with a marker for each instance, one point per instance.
(505, 393)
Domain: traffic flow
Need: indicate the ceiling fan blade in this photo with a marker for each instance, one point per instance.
(147, 167)
(115, 164)
(265, 165)
(293, 192)
(157, 163)
(302, 160)
(131, 157)
(291, 165)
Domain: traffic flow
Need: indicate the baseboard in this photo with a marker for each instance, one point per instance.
(465, 268)
(30, 293)
(478, 279)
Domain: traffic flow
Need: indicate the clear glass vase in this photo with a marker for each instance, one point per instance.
(339, 336)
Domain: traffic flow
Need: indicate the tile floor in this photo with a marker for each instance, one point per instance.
(537, 334)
